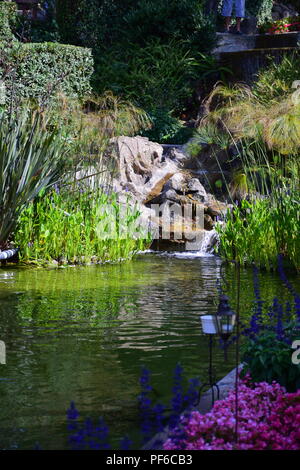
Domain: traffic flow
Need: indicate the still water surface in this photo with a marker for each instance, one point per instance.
(84, 333)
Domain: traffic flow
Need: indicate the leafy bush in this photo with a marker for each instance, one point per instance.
(269, 113)
(7, 21)
(269, 419)
(276, 80)
(158, 78)
(155, 76)
(167, 128)
(38, 71)
(175, 20)
(267, 358)
(94, 23)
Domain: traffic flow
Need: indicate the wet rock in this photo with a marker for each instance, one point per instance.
(177, 183)
(216, 209)
(141, 168)
(208, 222)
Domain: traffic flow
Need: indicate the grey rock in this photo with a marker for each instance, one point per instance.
(194, 186)
(233, 43)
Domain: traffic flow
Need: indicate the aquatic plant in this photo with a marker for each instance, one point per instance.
(256, 230)
(77, 227)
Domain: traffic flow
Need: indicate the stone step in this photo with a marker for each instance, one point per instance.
(228, 43)
(272, 41)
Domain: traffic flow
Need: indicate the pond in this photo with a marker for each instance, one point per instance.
(84, 333)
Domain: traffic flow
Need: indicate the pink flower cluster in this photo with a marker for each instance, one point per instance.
(268, 419)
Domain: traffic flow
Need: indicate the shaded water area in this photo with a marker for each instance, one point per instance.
(84, 333)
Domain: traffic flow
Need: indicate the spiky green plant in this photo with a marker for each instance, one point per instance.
(31, 159)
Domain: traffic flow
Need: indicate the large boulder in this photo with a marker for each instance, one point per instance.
(141, 167)
(173, 202)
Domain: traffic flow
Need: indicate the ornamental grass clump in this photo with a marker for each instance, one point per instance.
(269, 419)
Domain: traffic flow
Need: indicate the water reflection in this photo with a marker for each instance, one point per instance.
(84, 333)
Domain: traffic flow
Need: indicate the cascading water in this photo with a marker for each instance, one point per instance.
(207, 247)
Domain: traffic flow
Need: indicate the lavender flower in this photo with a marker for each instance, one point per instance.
(145, 405)
(125, 443)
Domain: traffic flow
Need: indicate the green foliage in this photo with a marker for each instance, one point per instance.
(261, 9)
(257, 230)
(31, 157)
(167, 128)
(155, 76)
(78, 226)
(175, 20)
(209, 135)
(94, 23)
(7, 21)
(269, 112)
(37, 30)
(158, 78)
(276, 80)
(39, 71)
(144, 51)
(89, 124)
(67, 16)
(268, 359)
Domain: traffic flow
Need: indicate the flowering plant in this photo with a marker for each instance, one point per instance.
(284, 25)
(267, 352)
(269, 419)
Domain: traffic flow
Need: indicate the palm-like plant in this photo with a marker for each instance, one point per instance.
(31, 159)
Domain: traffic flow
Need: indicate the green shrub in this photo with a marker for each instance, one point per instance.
(182, 20)
(67, 15)
(7, 20)
(96, 23)
(40, 70)
(167, 128)
(155, 76)
(268, 358)
(276, 80)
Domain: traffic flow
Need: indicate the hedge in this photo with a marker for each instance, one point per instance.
(7, 19)
(40, 70)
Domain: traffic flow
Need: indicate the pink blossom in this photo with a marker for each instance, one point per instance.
(268, 419)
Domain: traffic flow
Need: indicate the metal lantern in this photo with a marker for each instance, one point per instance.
(209, 325)
(225, 318)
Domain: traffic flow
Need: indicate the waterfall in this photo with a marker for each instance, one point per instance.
(209, 242)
